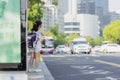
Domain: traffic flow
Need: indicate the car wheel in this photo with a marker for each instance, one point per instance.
(89, 52)
(72, 52)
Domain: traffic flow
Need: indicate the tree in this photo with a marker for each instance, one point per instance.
(30, 25)
(98, 40)
(60, 39)
(94, 41)
(35, 12)
(112, 32)
(55, 2)
(50, 34)
(54, 29)
(71, 37)
(90, 40)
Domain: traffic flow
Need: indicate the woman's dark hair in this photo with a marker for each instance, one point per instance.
(36, 25)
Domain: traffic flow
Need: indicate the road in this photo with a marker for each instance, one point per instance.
(84, 67)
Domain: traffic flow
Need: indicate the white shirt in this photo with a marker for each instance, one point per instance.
(37, 43)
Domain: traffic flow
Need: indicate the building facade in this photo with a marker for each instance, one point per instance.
(86, 6)
(63, 6)
(50, 16)
(60, 21)
(53, 15)
(81, 18)
(102, 11)
(114, 16)
(102, 5)
(82, 24)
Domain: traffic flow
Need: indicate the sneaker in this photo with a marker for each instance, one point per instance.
(30, 70)
(37, 70)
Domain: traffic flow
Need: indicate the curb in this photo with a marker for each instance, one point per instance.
(45, 70)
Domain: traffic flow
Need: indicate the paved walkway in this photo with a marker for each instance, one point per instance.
(35, 75)
(44, 74)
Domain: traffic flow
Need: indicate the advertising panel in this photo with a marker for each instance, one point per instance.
(10, 31)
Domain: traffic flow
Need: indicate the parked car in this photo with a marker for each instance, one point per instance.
(110, 48)
(60, 49)
(67, 50)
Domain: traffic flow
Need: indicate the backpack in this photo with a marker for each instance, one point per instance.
(31, 39)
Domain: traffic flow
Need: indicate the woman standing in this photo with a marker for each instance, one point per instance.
(36, 46)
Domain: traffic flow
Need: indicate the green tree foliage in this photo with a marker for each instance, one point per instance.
(71, 37)
(30, 25)
(98, 40)
(50, 34)
(60, 39)
(54, 29)
(35, 12)
(55, 2)
(94, 41)
(112, 32)
(90, 40)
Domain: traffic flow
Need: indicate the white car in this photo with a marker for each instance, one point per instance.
(80, 45)
(67, 50)
(110, 48)
(62, 49)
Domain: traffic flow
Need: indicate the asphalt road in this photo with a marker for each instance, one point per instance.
(84, 67)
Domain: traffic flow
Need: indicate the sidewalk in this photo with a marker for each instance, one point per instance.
(44, 74)
(36, 75)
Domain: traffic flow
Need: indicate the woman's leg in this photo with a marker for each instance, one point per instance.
(37, 60)
(32, 56)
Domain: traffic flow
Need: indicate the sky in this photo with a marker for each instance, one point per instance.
(114, 5)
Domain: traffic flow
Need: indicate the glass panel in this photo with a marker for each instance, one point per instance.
(10, 39)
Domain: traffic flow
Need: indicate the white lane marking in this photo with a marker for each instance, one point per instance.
(83, 67)
(95, 72)
(108, 78)
(109, 63)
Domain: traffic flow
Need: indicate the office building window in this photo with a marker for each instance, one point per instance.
(68, 29)
(76, 29)
(72, 29)
(72, 24)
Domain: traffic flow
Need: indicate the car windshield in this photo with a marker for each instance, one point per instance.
(43, 46)
(113, 45)
(49, 46)
(62, 46)
(79, 42)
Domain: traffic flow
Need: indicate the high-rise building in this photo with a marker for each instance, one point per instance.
(81, 6)
(50, 16)
(102, 11)
(63, 6)
(103, 5)
(82, 24)
(114, 16)
(54, 15)
(62, 9)
(81, 18)
(60, 21)
(86, 6)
